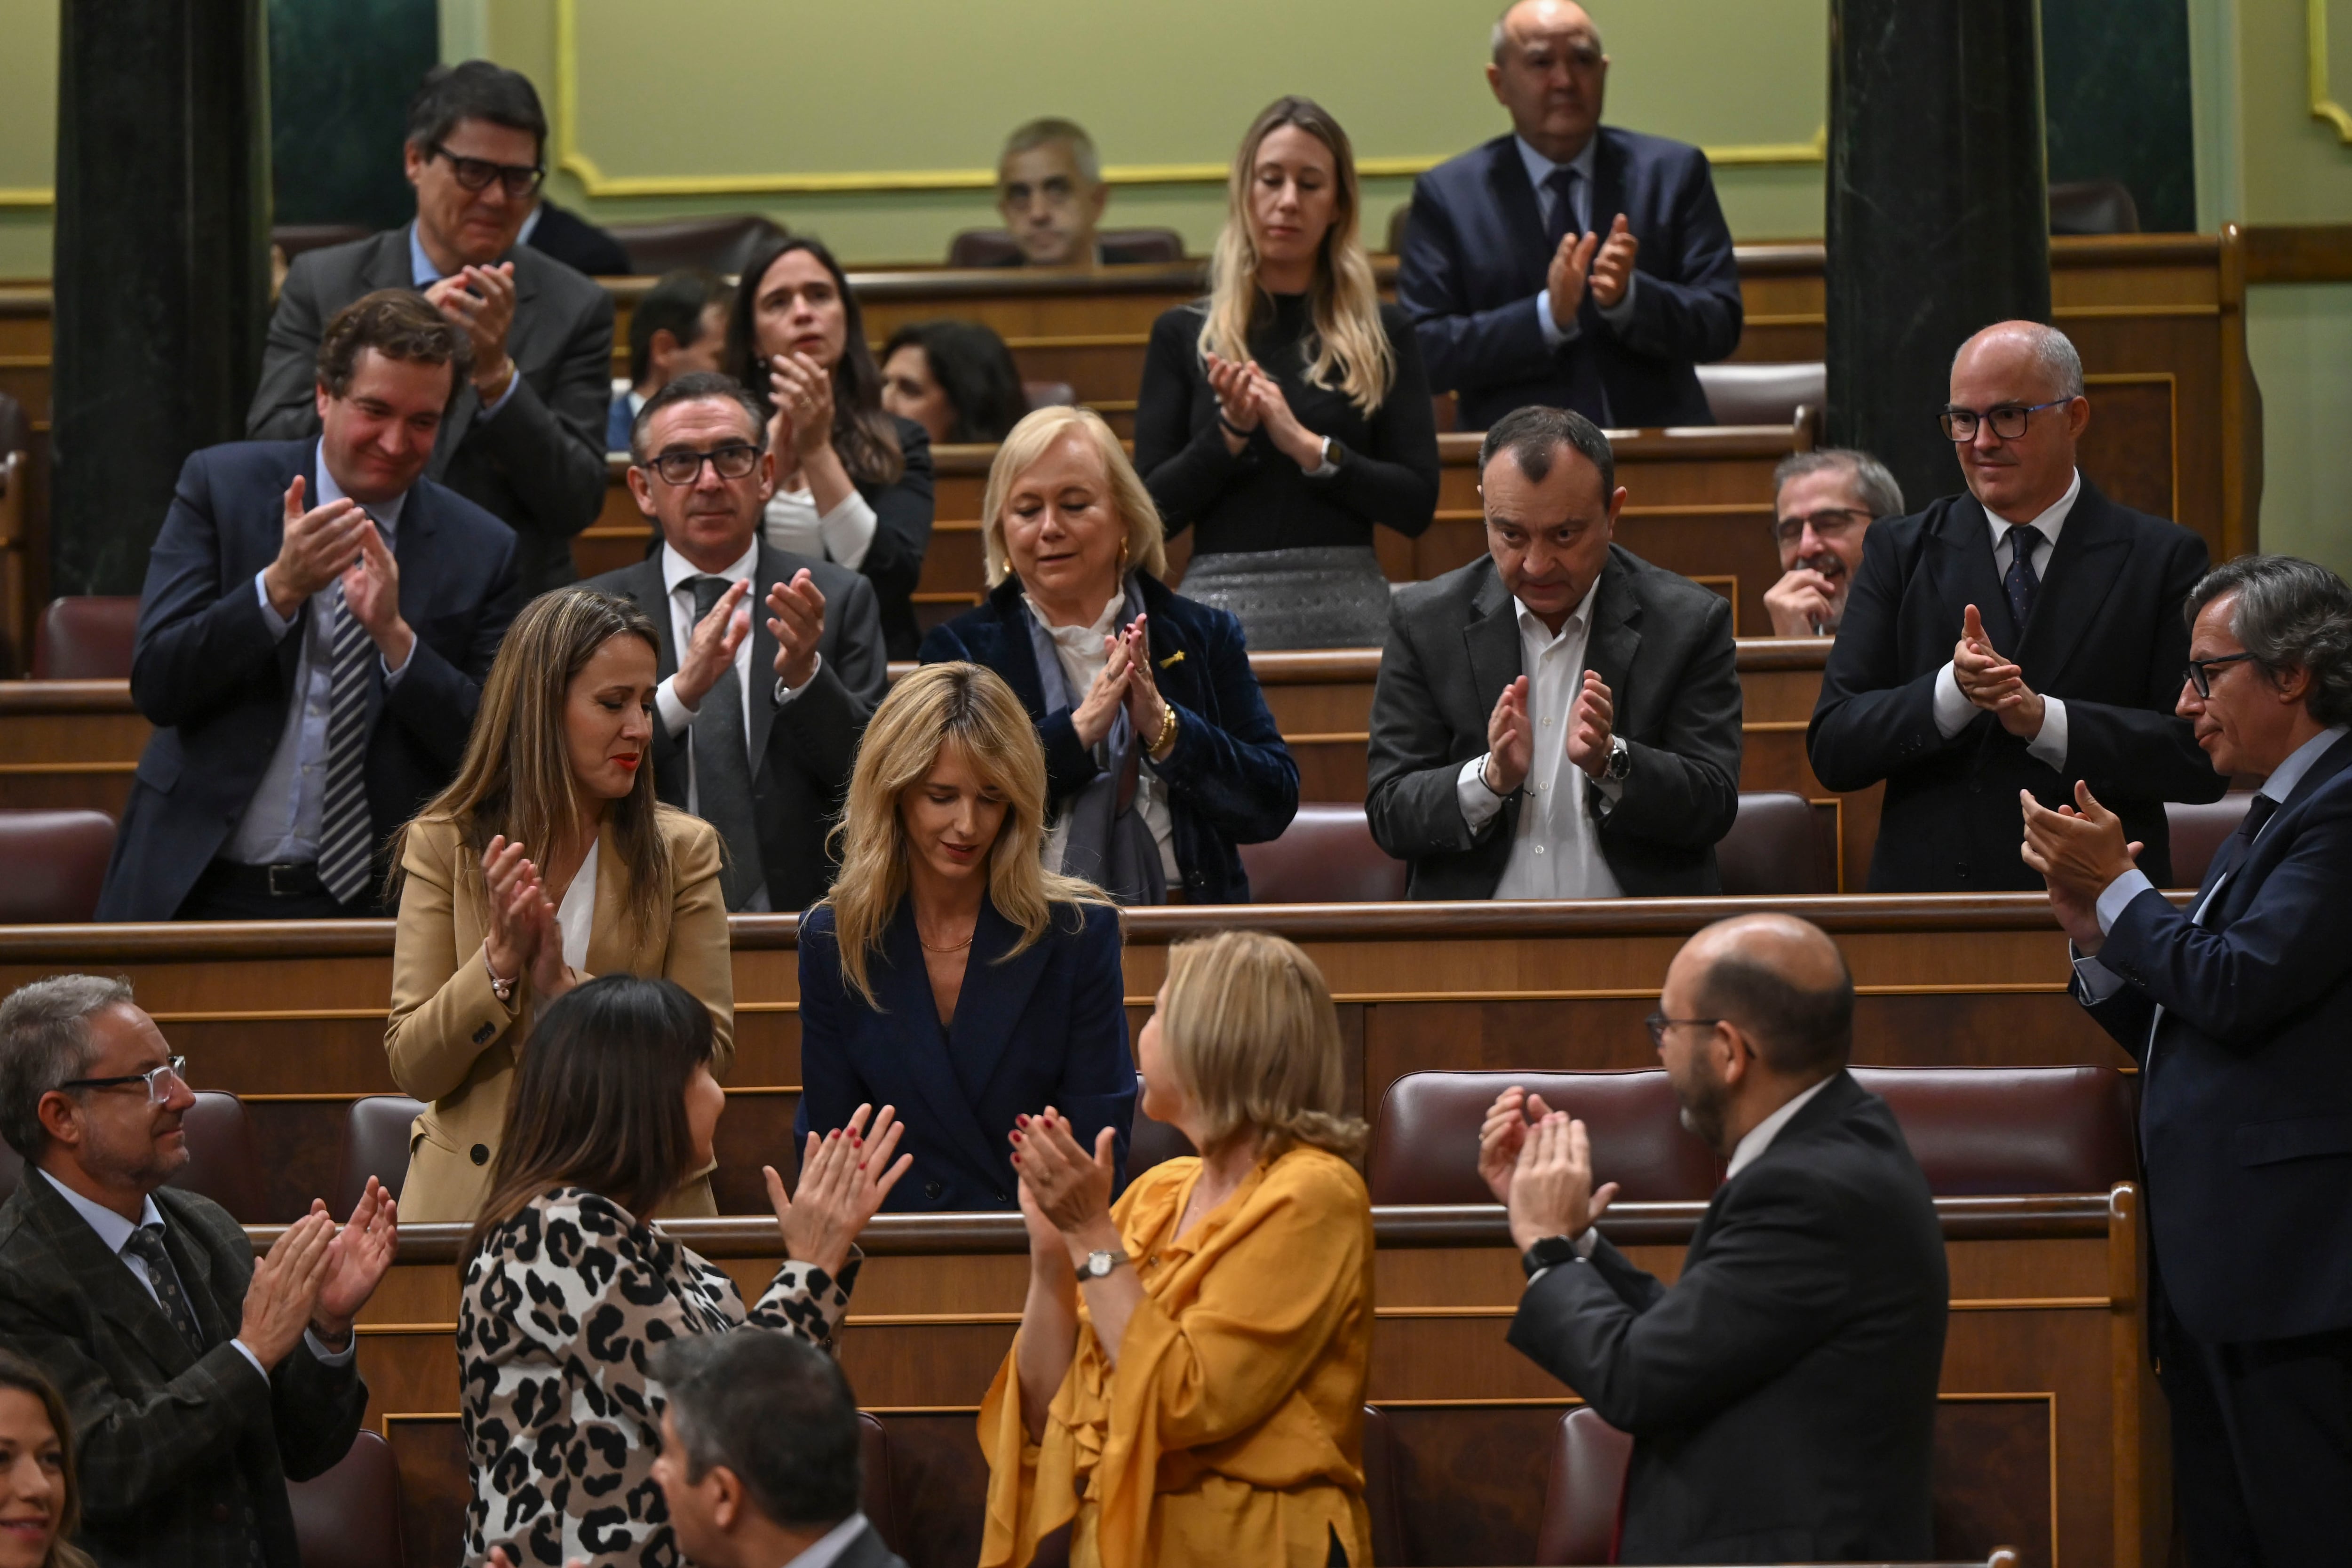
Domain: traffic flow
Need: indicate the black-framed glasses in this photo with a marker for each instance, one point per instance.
(1830, 523)
(683, 466)
(1658, 1024)
(159, 1081)
(2008, 420)
(476, 173)
(2199, 673)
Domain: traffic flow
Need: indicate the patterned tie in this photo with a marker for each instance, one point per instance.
(722, 766)
(146, 1244)
(2021, 584)
(346, 834)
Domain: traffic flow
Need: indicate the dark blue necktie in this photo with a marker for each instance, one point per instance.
(1561, 183)
(2021, 584)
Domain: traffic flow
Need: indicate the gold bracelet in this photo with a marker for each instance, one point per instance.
(1160, 747)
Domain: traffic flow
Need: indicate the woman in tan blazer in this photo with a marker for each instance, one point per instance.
(547, 861)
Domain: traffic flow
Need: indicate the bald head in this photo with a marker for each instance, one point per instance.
(1550, 72)
(2036, 359)
(1539, 18)
(1783, 981)
(2010, 374)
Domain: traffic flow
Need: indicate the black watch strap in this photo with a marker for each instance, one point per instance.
(1549, 1253)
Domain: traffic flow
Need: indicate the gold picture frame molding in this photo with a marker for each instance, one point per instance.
(2323, 101)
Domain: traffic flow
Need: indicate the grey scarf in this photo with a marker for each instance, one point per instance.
(1109, 843)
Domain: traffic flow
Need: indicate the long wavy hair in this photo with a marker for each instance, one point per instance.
(1350, 349)
(517, 778)
(26, 1378)
(968, 706)
(1252, 1037)
(863, 431)
(1147, 547)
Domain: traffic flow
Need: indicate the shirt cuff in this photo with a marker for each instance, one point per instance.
(2050, 745)
(1584, 1243)
(1606, 793)
(2098, 981)
(326, 1357)
(848, 530)
(1620, 314)
(1554, 335)
(390, 676)
(1478, 803)
(2118, 893)
(514, 379)
(786, 693)
(269, 615)
(246, 1352)
(675, 714)
(1953, 709)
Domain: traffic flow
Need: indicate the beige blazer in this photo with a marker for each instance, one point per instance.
(453, 1044)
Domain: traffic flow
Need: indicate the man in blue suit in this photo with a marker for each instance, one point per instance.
(2240, 1011)
(1569, 263)
(315, 629)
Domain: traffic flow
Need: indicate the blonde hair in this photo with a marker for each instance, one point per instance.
(1348, 341)
(1251, 1035)
(967, 706)
(517, 778)
(1029, 441)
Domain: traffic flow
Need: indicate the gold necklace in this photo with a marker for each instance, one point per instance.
(951, 947)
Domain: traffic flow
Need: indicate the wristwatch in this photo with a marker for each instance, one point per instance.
(1549, 1253)
(1621, 761)
(1098, 1264)
(1335, 457)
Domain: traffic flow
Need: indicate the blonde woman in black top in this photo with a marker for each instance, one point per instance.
(1287, 414)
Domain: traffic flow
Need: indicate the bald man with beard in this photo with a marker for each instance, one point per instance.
(1781, 1393)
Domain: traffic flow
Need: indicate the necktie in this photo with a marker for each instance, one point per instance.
(723, 767)
(346, 834)
(2021, 584)
(2233, 848)
(146, 1244)
(1561, 183)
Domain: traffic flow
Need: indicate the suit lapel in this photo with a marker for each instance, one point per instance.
(1616, 634)
(1514, 198)
(1963, 565)
(2254, 865)
(996, 991)
(902, 985)
(1491, 642)
(106, 1279)
(608, 953)
(1017, 659)
(1177, 665)
(2082, 570)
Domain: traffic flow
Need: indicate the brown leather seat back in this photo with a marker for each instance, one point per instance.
(1050, 393)
(87, 638)
(1132, 246)
(1425, 1142)
(1151, 1142)
(350, 1517)
(293, 238)
(1584, 1492)
(222, 1163)
(1763, 393)
(1326, 855)
(57, 863)
(1777, 846)
(874, 1494)
(2197, 831)
(1381, 1498)
(1981, 1132)
(375, 1143)
(2092, 206)
(723, 244)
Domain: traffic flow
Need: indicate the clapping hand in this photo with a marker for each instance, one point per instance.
(356, 1259)
(283, 1294)
(1093, 715)
(710, 651)
(1564, 279)
(1551, 1185)
(512, 943)
(845, 1177)
(372, 592)
(1510, 744)
(1992, 682)
(1147, 711)
(1291, 438)
(1501, 1135)
(2078, 852)
(803, 393)
(1590, 725)
(796, 620)
(1236, 397)
(1070, 1187)
(481, 300)
(316, 546)
(1613, 267)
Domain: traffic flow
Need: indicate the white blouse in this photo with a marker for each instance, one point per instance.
(842, 535)
(575, 917)
(1082, 655)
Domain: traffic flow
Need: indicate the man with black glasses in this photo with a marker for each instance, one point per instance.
(1823, 502)
(2025, 634)
(526, 439)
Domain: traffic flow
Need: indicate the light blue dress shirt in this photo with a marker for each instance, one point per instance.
(422, 271)
(1539, 169)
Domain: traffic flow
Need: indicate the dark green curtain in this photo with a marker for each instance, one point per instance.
(2114, 86)
(341, 75)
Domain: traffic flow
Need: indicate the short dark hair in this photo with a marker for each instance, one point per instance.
(474, 90)
(1534, 433)
(1880, 495)
(44, 1042)
(694, 386)
(2289, 614)
(976, 370)
(398, 324)
(1796, 1031)
(776, 1410)
(676, 305)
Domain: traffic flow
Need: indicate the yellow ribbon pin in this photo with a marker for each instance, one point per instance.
(1176, 657)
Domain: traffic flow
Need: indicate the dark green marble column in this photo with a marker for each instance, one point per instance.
(1938, 216)
(162, 266)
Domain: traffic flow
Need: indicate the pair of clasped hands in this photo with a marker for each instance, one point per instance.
(1248, 397)
(795, 619)
(1994, 682)
(1601, 264)
(1125, 681)
(524, 939)
(339, 541)
(1511, 741)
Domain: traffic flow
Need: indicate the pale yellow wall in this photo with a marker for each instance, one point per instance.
(29, 122)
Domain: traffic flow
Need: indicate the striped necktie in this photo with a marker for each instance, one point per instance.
(346, 834)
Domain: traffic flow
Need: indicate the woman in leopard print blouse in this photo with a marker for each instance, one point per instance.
(566, 1291)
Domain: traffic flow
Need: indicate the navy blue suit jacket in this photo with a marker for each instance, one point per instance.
(1044, 1027)
(2246, 1094)
(1230, 780)
(208, 675)
(1474, 259)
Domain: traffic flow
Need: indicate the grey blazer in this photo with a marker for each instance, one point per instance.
(538, 467)
(1664, 645)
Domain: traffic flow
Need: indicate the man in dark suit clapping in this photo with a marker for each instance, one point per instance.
(770, 662)
(1569, 263)
(1781, 1393)
(2239, 1009)
(2023, 635)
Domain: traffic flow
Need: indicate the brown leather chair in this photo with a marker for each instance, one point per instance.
(2092, 206)
(1425, 1142)
(1984, 1132)
(223, 1164)
(1584, 1492)
(2198, 831)
(1123, 246)
(873, 1491)
(1777, 844)
(293, 238)
(86, 637)
(1050, 393)
(1326, 855)
(1399, 221)
(1151, 1142)
(57, 863)
(375, 1143)
(350, 1517)
(724, 243)
(1381, 1498)
(1763, 393)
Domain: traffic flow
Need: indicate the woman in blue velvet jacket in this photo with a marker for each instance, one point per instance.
(1160, 753)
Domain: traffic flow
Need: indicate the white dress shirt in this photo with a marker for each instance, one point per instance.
(826, 1549)
(1082, 655)
(678, 582)
(114, 1231)
(1953, 709)
(1556, 849)
(842, 535)
(1539, 169)
(281, 823)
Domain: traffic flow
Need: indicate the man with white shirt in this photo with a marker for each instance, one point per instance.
(770, 662)
(2239, 1009)
(1781, 1393)
(2023, 635)
(1503, 761)
(1570, 262)
(199, 1379)
(317, 621)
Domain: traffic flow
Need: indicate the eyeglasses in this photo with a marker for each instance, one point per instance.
(2008, 421)
(1658, 1024)
(476, 173)
(1830, 523)
(2199, 673)
(684, 467)
(160, 1081)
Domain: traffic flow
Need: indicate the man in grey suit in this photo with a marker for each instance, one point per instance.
(526, 438)
(199, 1379)
(1561, 719)
(760, 713)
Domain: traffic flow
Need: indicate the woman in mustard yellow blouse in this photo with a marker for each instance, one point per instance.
(1188, 1384)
